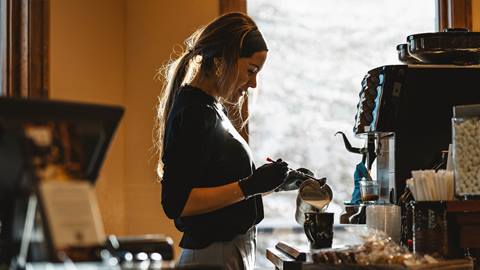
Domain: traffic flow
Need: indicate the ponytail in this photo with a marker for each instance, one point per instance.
(174, 74)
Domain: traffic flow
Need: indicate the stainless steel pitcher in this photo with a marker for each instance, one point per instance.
(312, 197)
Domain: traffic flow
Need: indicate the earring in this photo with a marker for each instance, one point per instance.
(218, 71)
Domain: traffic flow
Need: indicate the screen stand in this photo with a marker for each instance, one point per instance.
(21, 259)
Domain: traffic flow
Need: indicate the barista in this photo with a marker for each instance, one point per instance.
(210, 186)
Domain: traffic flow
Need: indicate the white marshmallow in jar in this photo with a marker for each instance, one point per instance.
(466, 155)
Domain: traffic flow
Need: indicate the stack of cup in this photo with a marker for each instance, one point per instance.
(430, 185)
(385, 218)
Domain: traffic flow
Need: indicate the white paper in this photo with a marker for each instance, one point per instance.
(72, 213)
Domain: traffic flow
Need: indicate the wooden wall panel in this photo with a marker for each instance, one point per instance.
(476, 15)
(87, 64)
(153, 29)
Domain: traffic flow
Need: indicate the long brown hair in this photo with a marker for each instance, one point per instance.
(214, 48)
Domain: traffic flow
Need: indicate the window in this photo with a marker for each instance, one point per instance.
(308, 89)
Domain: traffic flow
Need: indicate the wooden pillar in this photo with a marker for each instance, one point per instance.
(232, 6)
(442, 15)
(25, 50)
(454, 14)
(460, 15)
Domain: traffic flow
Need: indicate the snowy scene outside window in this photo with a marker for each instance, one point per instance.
(319, 51)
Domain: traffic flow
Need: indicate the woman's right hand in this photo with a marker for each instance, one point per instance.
(264, 179)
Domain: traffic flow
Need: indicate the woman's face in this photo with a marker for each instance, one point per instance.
(248, 68)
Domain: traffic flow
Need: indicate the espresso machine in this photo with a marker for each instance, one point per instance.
(407, 110)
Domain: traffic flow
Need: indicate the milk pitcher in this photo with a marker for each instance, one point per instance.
(313, 197)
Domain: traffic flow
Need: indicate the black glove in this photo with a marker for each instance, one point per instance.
(294, 179)
(264, 179)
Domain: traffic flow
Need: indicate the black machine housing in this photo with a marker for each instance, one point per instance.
(408, 110)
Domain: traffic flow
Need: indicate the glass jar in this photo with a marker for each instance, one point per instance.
(369, 190)
(385, 217)
(430, 232)
(466, 155)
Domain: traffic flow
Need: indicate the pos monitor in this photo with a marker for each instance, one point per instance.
(45, 139)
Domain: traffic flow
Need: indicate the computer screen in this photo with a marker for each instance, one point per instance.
(42, 140)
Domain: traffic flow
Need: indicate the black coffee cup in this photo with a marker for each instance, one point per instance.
(319, 229)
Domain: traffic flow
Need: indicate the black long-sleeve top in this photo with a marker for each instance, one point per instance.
(203, 149)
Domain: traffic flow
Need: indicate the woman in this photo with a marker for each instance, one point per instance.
(210, 186)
